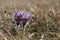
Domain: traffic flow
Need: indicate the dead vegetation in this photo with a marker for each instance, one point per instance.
(45, 25)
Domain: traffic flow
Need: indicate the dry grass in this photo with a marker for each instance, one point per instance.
(45, 25)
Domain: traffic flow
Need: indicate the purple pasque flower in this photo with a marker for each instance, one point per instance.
(21, 15)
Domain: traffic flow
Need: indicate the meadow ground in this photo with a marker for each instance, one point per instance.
(45, 25)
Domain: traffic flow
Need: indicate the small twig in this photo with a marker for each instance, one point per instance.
(42, 37)
(3, 36)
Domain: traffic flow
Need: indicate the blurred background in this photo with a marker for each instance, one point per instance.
(45, 25)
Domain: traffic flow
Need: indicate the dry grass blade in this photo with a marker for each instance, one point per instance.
(30, 36)
(3, 36)
(42, 37)
(27, 22)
